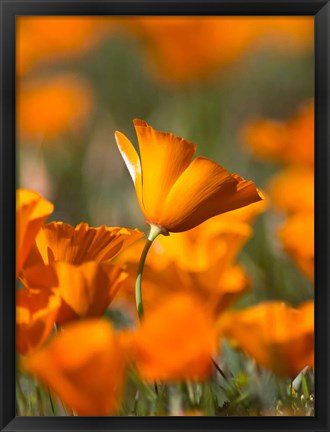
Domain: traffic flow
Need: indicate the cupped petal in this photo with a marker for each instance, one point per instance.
(31, 212)
(58, 241)
(85, 366)
(86, 290)
(164, 157)
(132, 161)
(36, 312)
(204, 189)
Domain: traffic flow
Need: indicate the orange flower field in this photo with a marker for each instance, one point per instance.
(165, 266)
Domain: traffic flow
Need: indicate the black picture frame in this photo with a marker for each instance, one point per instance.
(9, 9)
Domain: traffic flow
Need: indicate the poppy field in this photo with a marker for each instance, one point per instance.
(165, 216)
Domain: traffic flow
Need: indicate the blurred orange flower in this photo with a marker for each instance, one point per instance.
(289, 142)
(175, 192)
(199, 261)
(36, 312)
(297, 236)
(31, 212)
(277, 336)
(175, 341)
(215, 290)
(168, 42)
(215, 241)
(292, 190)
(85, 366)
(177, 53)
(40, 38)
(48, 107)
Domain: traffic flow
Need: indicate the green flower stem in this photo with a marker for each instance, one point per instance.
(155, 230)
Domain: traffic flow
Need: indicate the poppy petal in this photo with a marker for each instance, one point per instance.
(58, 241)
(205, 189)
(164, 157)
(132, 162)
(31, 212)
(36, 312)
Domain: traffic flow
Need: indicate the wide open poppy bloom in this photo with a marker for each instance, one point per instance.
(276, 335)
(36, 312)
(174, 191)
(85, 366)
(31, 212)
(176, 341)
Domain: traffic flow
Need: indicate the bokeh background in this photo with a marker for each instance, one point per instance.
(79, 79)
(241, 88)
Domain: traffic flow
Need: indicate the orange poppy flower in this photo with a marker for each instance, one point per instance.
(277, 336)
(175, 341)
(85, 290)
(85, 366)
(59, 241)
(215, 290)
(292, 190)
(48, 107)
(217, 240)
(175, 192)
(31, 212)
(36, 312)
(199, 261)
(290, 142)
(75, 263)
(297, 236)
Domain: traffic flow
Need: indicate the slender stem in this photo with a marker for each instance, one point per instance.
(51, 401)
(154, 232)
(221, 372)
(138, 287)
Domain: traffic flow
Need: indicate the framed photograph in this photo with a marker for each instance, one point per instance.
(165, 223)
